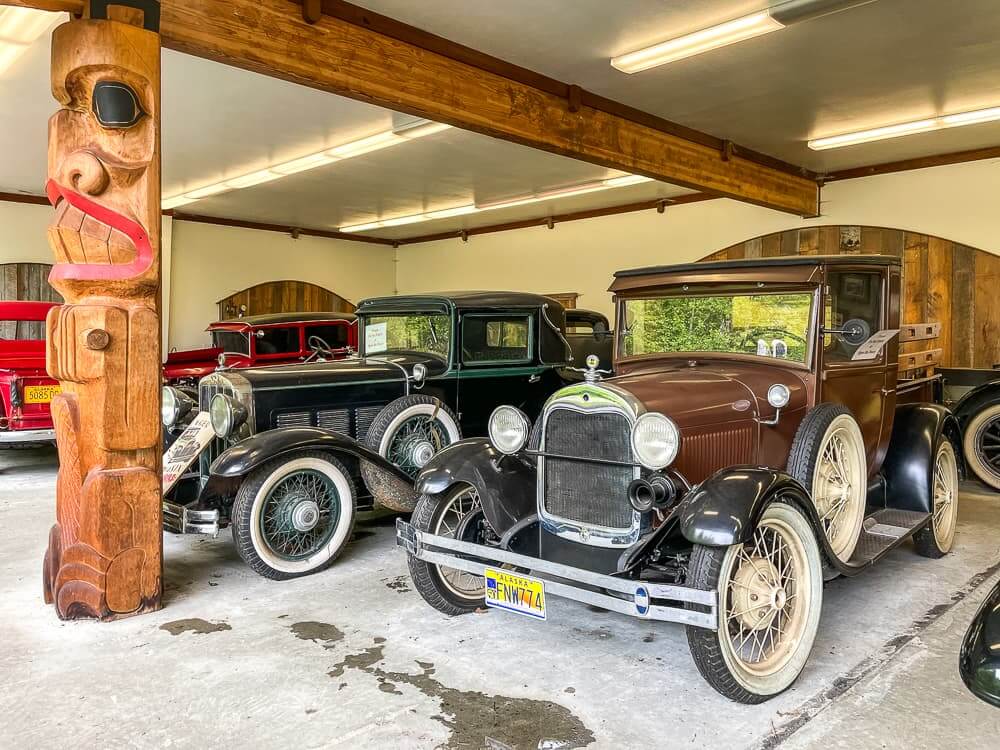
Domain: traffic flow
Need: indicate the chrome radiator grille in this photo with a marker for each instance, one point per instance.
(590, 493)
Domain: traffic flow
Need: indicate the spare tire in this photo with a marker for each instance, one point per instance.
(408, 432)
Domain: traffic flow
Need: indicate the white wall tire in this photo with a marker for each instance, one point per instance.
(828, 457)
(770, 601)
(981, 445)
(293, 516)
(408, 432)
(937, 538)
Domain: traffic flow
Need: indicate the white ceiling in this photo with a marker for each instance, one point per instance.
(888, 61)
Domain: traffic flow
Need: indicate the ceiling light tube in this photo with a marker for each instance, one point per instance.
(447, 213)
(304, 163)
(626, 180)
(365, 145)
(205, 192)
(697, 42)
(254, 178)
(401, 220)
(973, 117)
(176, 202)
(361, 227)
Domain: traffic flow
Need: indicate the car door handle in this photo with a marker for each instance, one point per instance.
(534, 378)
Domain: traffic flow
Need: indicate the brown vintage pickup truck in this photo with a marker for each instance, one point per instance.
(756, 439)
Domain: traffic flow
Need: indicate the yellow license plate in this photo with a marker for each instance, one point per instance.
(515, 593)
(40, 394)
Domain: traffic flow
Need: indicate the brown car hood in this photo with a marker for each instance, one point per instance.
(705, 392)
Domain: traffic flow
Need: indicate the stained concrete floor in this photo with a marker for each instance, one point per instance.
(353, 657)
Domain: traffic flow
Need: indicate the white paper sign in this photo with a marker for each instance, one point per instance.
(871, 348)
(186, 449)
(375, 338)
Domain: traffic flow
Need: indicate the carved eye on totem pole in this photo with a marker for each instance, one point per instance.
(116, 105)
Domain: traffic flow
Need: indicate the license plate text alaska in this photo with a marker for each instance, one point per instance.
(516, 593)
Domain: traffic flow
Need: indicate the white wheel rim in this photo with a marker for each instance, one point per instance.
(945, 493)
(839, 485)
(449, 518)
(762, 635)
(337, 540)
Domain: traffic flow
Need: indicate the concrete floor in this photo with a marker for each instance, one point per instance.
(353, 657)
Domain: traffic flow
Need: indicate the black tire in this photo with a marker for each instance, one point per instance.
(385, 488)
(427, 578)
(249, 537)
(935, 540)
(805, 455)
(712, 650)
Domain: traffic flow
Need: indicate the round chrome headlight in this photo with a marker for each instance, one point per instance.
(419, 372)
(174, 405)
(509, 429)
(226, 415)
(778, 395)
(655, 440)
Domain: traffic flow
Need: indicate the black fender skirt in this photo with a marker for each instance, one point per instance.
(908, 467)
(258, 449)
(506, 484)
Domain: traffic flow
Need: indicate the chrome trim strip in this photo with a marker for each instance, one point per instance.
(440, 550)
(27, 436)
(180, 519)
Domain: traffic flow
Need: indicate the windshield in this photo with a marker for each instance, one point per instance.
(768, 325)
(417, 332)
(232, 342)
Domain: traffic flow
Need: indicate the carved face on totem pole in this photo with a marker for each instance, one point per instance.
(104, 167)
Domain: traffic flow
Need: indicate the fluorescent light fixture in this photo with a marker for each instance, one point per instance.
(401, 220)
(362, 227)
(254, 178)
(219, 187)
(176, 202)
(303, 164)
(626, 180)
(959, 119)
(365, 145)
(695, 43)
(447, 213)
(409, 126)
(19, 28)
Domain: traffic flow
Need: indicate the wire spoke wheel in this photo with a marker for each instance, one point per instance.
(416, 441)
(299, 515)
(945, 493)
(449, 523)
(982, 445)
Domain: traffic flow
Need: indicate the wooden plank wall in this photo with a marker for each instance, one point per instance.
(943, 281)
(25, 281)
(282, 296)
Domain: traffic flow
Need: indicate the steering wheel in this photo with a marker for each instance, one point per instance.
(319, 347)
(755, 333)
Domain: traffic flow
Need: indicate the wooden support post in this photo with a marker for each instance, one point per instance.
(104, 558)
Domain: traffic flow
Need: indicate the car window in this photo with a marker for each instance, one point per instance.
(334, 336)
(232, 342)
(487, 339)
(853, 313)
(277, 341)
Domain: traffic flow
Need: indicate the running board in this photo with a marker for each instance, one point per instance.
(883, 531)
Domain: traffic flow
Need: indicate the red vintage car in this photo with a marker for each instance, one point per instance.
(25, 388)
(259, 340)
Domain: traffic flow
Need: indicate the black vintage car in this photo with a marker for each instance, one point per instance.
(284, 454)
(979, 662)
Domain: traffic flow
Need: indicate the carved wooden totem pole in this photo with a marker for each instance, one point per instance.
(104, 558)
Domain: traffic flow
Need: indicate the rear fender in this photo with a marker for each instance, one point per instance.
(258, 449)
(909, 464)
(506, 484)
(980, 397)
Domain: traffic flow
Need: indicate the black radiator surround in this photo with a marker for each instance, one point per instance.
(596, 559)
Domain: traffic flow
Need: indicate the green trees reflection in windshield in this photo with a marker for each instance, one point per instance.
(721, 323)
(415, 333)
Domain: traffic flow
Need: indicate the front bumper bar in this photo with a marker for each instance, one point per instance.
(180, 519)
(635, 598)
(27, 436)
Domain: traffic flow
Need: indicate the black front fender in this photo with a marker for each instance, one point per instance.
(973, 402)
(725, 508)
(256, 450)
(909, 464)
(506, 484)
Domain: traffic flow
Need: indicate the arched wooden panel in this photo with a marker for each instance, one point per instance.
(25, 281)
(943, 281)
(282, 296)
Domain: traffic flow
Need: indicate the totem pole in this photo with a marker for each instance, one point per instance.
(104, 558)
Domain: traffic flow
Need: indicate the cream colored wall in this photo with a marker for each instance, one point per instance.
(22, 233)
(959, 202)
(211, 262)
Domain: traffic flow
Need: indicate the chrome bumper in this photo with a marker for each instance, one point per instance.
(27, 436)
(182, 520)
(635, 598)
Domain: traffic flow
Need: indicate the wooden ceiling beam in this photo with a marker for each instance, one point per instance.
(344, 58)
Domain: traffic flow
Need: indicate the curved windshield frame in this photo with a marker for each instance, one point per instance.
(426, 333)
(770, 325)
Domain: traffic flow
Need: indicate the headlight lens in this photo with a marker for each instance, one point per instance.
(509, 429)
(174, 405)
(226, 415)
(655, 440)
(778, 395)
